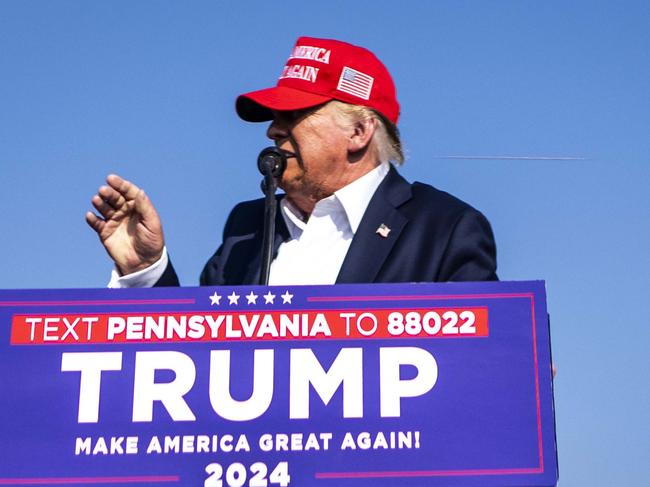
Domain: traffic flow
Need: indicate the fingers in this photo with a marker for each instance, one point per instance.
(102, 206)
(111, 196)
(118, 200)
(95, 222)
(109, 200)
(125, 188)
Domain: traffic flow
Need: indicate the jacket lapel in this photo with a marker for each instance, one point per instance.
(369, 249)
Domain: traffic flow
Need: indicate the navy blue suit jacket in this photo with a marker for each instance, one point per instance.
(433, 237)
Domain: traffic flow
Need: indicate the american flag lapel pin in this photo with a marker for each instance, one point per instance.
(383, 230)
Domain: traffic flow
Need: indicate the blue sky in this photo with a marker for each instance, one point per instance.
(146, 89)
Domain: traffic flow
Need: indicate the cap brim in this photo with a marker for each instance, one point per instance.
(258, 106)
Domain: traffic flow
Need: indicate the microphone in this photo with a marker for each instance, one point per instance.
(272, 161)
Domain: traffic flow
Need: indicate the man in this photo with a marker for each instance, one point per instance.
(347, 215)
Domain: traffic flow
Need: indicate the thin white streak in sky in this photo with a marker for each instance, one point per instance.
(518, 158)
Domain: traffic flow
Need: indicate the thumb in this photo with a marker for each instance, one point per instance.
(144, 207)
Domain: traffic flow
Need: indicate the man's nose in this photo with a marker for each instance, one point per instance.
(277, 130)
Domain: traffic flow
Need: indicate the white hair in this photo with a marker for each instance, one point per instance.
(386, 137)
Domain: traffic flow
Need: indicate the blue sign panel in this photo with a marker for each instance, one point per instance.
(397, 384)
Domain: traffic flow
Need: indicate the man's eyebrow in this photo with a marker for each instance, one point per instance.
(293, 116)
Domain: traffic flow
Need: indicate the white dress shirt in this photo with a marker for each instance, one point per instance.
(316, 248)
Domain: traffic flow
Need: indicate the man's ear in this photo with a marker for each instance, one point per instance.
(362, 132)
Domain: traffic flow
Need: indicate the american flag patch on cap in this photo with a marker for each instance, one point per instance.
(355, 83)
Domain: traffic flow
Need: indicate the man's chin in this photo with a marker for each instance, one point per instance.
(291, 186)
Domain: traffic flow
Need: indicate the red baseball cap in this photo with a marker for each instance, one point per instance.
(321, 70)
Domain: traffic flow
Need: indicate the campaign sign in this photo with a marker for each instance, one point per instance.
(359, 385)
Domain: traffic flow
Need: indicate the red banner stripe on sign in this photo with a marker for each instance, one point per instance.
(68, 329)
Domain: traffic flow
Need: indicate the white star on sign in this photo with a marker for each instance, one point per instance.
(251, 298)
(233, 298)
(215, 299)
(286, 298)
(268, 298)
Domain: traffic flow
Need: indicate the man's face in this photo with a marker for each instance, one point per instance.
(319, 138)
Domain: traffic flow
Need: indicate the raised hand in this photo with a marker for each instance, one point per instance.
(129, 226)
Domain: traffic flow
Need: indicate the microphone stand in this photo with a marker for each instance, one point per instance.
(271, 162)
